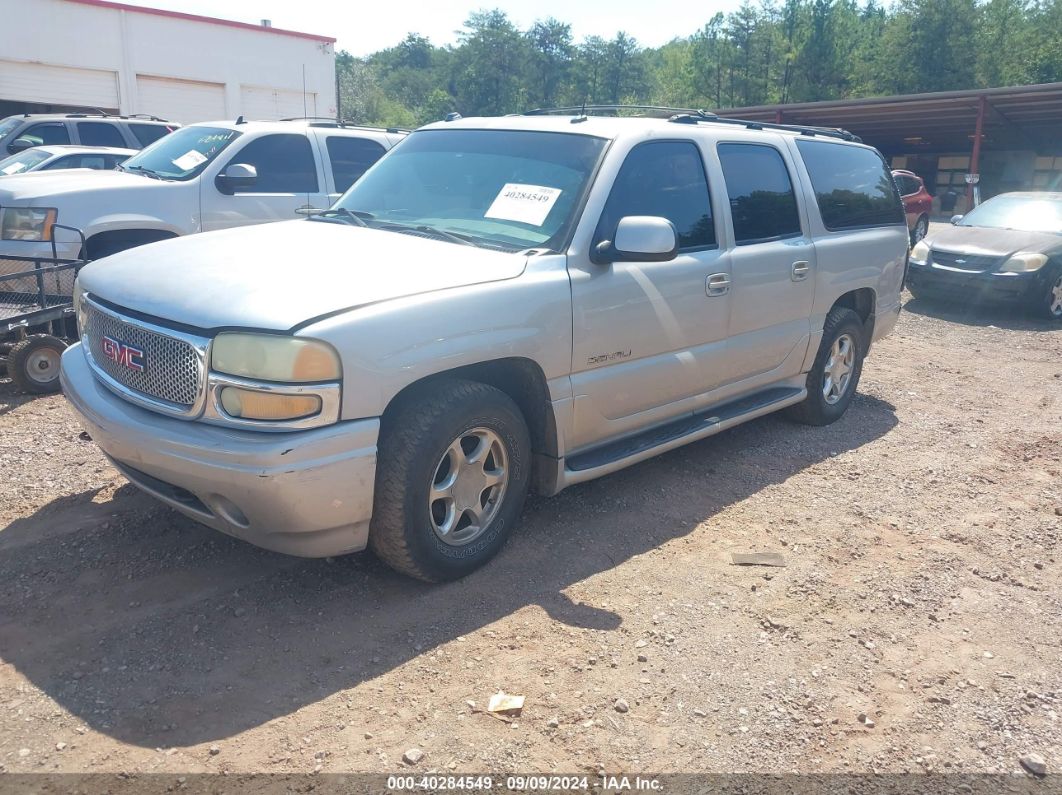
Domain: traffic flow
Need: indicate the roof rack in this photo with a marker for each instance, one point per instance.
(328, 121)
(96, 113)
(693, 116)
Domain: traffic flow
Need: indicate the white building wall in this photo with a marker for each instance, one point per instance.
(55, 41)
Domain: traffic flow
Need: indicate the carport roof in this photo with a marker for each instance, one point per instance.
(1021, 117)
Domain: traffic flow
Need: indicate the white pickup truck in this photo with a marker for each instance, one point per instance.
(202, 177)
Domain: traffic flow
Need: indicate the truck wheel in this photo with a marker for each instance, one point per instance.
(835, 375)
(33, 363)
(1051, 301)
(451, 478)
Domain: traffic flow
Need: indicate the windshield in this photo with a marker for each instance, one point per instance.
(9, 125)
(1024, 213)
(181, 154)
(501, 188)
(23, 161)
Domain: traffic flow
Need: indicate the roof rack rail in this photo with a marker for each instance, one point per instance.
(600, 110)
(329, 121)
(695, 116)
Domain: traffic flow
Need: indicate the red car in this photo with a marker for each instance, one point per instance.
(917, 202)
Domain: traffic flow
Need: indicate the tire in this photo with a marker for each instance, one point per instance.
(33, 363)
(409, 530)
(921, 229)
(817, 408)
(1049, 303)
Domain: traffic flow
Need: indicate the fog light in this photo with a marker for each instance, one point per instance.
(248, 404)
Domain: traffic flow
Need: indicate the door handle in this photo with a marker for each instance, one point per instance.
(308, 209)
(717, 284)
(801, 269)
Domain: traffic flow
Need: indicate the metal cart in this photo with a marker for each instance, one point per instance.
(37, 316)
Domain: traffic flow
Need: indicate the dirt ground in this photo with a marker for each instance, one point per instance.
(921, 535)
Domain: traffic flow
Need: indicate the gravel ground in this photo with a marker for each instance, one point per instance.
(916, 627)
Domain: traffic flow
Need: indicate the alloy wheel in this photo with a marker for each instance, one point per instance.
(837, 373)
(468, 486)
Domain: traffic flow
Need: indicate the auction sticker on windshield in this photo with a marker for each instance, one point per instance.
(527, 204)
(189, 160)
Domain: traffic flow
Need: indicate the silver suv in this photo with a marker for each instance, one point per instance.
(498, 305)
(18, 133)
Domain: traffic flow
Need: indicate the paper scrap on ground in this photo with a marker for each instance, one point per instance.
(503, 702)
(528, 204)
(756, 559)
(189, 160)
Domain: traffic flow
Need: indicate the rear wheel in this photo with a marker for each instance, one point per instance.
(453, 473)
(33, 363)
(835, 374)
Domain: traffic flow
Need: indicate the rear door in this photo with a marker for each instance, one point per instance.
(772, 262)
(289, 178)
(346, 158)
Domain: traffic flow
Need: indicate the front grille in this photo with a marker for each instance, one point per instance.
(171, 369)
(967, 262)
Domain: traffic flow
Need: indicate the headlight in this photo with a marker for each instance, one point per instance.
(273, 357)
(1024, 262)
(79, 306)
(27, 223)
(920, 252)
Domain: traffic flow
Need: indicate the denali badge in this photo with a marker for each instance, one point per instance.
(125, 355)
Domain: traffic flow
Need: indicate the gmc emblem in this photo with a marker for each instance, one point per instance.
(125, 355)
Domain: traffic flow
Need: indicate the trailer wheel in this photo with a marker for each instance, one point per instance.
(33, 363)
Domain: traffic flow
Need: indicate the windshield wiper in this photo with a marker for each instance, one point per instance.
(147, 172)
(453, 237)
(341, 214)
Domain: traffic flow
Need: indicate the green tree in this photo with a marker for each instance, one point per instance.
(550, 56)
(490, 65)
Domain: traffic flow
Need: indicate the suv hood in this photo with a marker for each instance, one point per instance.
(22, 188)
(280, 275)
(982, 240)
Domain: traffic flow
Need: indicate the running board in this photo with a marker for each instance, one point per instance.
(632, 449)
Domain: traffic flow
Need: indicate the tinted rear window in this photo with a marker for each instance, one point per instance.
(99, 133)
(763, 205)
(853, 187)
(149, 133)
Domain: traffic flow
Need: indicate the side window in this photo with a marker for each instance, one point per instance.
(114, 160)
(46, 133)
(351, 157)
(99, 133)
(906, 185)
(665, 179)
(853, 186)
(70, 161)
(148, 133)
(284, 163)
(762, 202)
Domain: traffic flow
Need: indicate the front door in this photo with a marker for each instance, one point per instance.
(772, 264)
(288, 179)
(648, 336)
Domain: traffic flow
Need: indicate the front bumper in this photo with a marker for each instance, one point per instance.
(975, 285)
(306, 493)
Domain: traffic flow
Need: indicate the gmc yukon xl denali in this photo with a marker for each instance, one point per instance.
(498, 305)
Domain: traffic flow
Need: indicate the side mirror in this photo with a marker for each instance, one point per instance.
(639, 238)
(20, 145)
(955, 219)
(235, 177)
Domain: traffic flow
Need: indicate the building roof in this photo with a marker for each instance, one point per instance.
(197, 18)
(1019, 117)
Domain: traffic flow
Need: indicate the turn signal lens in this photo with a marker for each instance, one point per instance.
(248, 404)
(920, 252)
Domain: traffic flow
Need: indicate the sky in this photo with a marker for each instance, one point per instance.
(363, 28)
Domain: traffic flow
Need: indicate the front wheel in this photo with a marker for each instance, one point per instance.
(452, 475)
(33, 363)
(834, 376)
(1050, 303)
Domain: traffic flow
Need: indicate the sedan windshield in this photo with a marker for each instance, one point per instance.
(23, 161)
(181, 154)
(499, 188)
(1024, 213)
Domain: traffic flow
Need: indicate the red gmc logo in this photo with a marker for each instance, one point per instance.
(125, 355)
